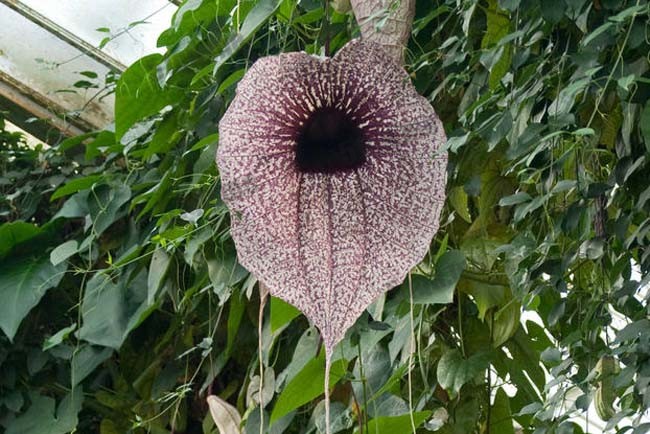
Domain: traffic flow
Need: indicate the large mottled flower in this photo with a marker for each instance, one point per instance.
(332, 171)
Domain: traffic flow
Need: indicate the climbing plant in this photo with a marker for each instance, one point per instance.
(124, 307)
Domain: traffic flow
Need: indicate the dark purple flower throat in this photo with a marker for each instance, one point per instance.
(328, 142)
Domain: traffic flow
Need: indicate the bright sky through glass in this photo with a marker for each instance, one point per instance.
(37, 59)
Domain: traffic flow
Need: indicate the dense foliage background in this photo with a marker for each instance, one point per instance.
(122, 305)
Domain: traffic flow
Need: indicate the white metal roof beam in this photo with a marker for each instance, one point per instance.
(63, 34)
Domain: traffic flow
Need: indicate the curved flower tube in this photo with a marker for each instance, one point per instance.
(332, 172)
(385, 22)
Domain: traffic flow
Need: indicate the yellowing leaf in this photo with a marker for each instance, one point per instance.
(225, 416)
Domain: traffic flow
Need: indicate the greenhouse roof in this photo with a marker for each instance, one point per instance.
(56, 58)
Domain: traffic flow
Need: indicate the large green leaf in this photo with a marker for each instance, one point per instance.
(440, 290)
(553, 10)
(644, 126)
(58, 337)
(158, 267)
(307, 385)
(376, 368)
(63, 252)
(396, 424)
(139, 95)
(110, 310)
(523, 361)
(23, 282)
(454, 370)
(84, 361)
(41, 418)
(192, 14)
(501, 417)
(486, 295)
(168, 133)
(237, 307)
(281, 313)
(261, 12)
(105, 203)
(76, 185)
(498, 26)
(76, 206)
(14, 233)
(458, 199)
(505, 323)
(224, 271)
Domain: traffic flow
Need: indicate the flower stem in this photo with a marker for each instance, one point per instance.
(328, 365)
(411, 353)
(260, 354)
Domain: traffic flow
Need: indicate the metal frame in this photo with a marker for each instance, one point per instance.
(24, 104)
(63, 34)
(35, 112)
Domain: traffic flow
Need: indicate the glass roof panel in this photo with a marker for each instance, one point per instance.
(50, 67)
(129, 41)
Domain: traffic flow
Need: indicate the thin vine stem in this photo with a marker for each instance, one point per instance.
(326, 26)
(363, 413)
(489, 381)
(619, 57)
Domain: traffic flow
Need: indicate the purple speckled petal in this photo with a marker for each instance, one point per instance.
(330, 243)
